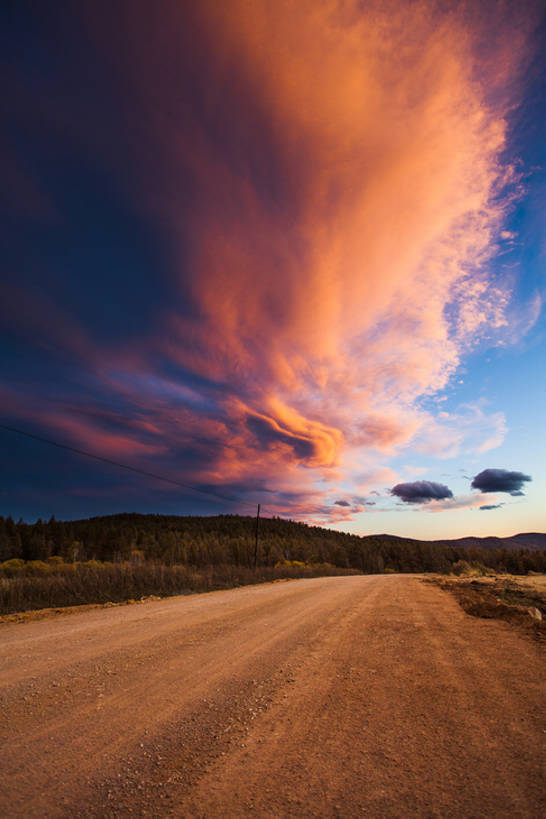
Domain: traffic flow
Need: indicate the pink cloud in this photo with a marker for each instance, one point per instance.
(91, 437)
(69, 424)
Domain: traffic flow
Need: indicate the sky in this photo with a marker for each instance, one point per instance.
(284, 253)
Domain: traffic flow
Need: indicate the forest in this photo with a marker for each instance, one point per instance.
(229, 540)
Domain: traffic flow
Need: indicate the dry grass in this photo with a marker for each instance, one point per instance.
(512, 598)
(55, 585)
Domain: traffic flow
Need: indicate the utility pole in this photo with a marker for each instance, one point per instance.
(256, 543)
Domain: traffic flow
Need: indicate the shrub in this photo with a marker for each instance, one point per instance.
(461, 567)
(36, 567)
(12, 567)
(92, 564)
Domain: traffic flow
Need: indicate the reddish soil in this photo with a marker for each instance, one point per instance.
(329, 697)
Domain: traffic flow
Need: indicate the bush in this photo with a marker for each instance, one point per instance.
(474, 569)
(461, 567)
(37, 568)
(92, 564)
(12, 567)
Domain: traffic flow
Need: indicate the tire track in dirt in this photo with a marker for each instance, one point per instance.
(482, 704)
(168, 684)
(329, 697)
(394, 729)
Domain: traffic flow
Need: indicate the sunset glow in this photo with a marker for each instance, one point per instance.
(291, 253)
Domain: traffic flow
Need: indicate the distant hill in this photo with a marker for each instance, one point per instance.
(230, 539)
(533, 541)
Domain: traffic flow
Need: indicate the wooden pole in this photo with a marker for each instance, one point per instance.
(256, 543)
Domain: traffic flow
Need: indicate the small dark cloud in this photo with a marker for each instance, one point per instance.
(500, 480)
(356, 504)
(491, 506)
(421, 491)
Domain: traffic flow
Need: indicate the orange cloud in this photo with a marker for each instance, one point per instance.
(387, 153)
(311, 442)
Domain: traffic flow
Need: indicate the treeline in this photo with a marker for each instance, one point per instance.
(230, 539)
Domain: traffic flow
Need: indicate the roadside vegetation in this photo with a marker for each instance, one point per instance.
(53, 583)
(481, 593)
(124, 557)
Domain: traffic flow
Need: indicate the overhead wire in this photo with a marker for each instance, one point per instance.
(139, 471)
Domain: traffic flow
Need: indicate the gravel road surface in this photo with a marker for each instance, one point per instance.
(338, 697)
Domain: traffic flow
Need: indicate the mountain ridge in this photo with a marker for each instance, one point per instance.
(534, 541)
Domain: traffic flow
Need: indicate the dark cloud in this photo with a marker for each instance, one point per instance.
(421, 491)
(500, 480)
(354, 506)
(354, 502)
(491, 506)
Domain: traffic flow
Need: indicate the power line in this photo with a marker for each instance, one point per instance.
(123, 466)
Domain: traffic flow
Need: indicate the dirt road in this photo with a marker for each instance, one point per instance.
(328, 697)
